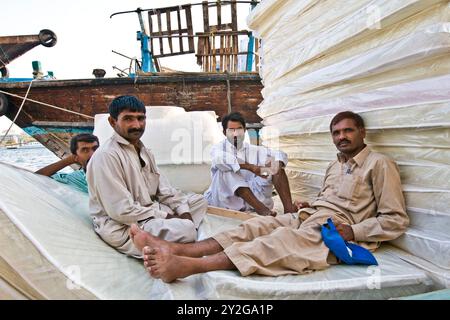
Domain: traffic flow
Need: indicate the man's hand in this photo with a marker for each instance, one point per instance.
(185, 215)
(301, 205)
(53, 168)
(259, 171)
(345, 231)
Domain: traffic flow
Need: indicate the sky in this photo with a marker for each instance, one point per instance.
(86, 35)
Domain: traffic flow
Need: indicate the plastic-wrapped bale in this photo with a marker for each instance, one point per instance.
(389, 62)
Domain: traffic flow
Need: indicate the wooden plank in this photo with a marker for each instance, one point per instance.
(240, 53)
(207, 57)
(235, 51)
(169, 30)
(63, 124)
(180, 33)
(228, 51)
(219, 14)
(214, 62)
(160, 33)
(190, 29)
(166, 34)
(230, 213)
(205, 16)
(221, 53)
(234, 24)
(150, 26)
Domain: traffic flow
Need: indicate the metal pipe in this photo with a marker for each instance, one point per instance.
(221, 2)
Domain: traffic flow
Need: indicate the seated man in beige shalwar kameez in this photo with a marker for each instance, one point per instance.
(362, 193)
(126, 187)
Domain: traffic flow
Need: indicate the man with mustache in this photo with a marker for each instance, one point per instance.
(82, 147)
(243, 175)
(126, 187)
(361, 193)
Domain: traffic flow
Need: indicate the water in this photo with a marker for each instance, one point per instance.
(32, 158)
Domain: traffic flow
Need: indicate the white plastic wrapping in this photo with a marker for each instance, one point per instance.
(326, 28)
(440, 277)
(399, 53)
(436, 14)
(54, 253)
(370, 92)
(388, 61)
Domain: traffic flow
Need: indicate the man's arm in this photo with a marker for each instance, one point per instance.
(391, 220)
(259, 171)
(55, 167)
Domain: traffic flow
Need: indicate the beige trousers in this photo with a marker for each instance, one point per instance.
(279, 245)
(174, 230)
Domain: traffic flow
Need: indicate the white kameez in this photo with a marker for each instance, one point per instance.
(227, 176)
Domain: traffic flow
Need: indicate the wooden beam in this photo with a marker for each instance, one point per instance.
(190, 28)
(179, 29)
(230, 213)
(169, 30)
(161, 45)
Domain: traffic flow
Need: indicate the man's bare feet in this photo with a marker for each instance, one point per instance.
(164, 265)
(143, 239)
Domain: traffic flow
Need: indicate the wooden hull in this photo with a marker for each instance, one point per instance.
(192, 91)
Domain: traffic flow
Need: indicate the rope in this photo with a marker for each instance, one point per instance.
(17, 114)
(46, 104)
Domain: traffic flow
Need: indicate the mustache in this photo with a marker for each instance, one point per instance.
(340, 142)
(135, 130)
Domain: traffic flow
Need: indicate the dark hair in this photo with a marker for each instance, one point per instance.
(359, 122)
(234, 116)
(82, 137)
(122, 103)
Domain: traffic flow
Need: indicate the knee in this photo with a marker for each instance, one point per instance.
(188, 233)
(242, 191)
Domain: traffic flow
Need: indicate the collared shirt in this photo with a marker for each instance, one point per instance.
(225, 157)
(122, 192)
(366, 190)
(76, 179)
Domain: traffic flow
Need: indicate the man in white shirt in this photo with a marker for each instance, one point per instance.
(243, 175)
(126, 187)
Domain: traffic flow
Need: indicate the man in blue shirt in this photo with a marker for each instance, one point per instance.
(82, 147)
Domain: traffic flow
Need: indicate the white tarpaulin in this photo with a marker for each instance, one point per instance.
(49, 250)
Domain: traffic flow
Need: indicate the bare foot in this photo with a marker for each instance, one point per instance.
(164, 265)
(143, 239)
